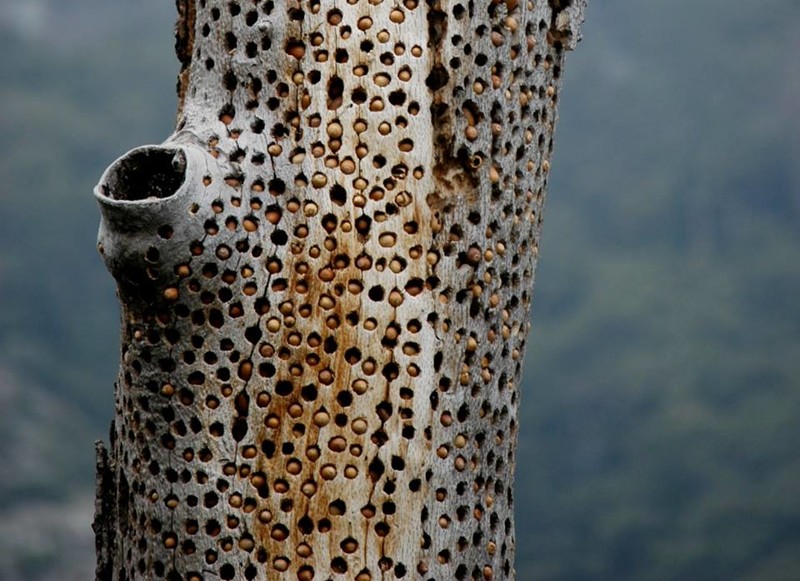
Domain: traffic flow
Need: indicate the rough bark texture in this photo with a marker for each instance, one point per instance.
(325, 277)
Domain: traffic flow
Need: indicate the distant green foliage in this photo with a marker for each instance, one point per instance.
(660, 424)
(660, 411)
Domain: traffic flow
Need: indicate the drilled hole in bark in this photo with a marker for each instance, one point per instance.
(335, 91)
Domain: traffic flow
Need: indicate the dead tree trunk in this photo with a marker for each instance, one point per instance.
(325, 276)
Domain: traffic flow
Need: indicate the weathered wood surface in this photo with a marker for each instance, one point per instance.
(325, 276)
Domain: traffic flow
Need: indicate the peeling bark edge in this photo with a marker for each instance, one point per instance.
(104, 525)
(184, 45)
(565, 28)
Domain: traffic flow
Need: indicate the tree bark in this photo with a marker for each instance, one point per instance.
(325, 276)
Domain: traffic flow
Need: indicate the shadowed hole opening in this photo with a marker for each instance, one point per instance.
(152, 173)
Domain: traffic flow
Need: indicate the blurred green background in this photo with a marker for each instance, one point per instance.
(661, 430)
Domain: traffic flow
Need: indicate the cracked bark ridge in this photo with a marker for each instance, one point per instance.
(104, 523)
(325, 276)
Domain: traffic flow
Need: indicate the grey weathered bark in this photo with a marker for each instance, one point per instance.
(325, 276)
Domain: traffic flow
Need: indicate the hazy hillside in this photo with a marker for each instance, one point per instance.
(659, 428)
(83, 23)
(665, 361)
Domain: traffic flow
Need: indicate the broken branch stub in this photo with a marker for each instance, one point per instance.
(325, 277)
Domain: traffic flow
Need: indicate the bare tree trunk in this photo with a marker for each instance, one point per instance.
(325, 277)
